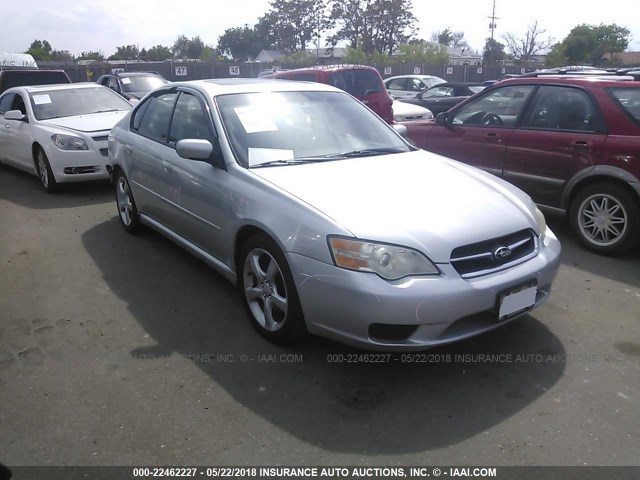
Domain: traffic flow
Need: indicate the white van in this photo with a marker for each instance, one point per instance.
(17, 60)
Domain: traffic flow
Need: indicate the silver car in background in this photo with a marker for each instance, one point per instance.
(327, 220)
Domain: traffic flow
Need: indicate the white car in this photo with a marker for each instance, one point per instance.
(406, 112)
(409, 86)
(59, 132)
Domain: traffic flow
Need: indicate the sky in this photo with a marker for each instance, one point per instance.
(83, 25)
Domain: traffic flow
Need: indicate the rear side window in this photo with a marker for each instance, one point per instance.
(396, 84)
(562, 108)
(357, 82)
(5, 102)
(628, 99)
(157, 117)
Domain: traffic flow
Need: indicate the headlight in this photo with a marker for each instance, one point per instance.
(69, 142)
(542, 223)
(398, 118)
(428, 115)
(391, 262)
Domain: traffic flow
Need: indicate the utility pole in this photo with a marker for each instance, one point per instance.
(492, 25)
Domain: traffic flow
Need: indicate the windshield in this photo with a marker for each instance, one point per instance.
(142, 83)
(431, 81)
(268, 127)
(75, 101)
(629, 100)
(477, 88)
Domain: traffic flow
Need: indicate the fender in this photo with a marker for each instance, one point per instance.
(599, 171)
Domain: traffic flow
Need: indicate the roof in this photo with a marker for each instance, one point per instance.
(224, 86)
(411, 76)
(334, 68)
(599, 81)
(133, 74)
(59, 86)
(458, 84)
(269, 56)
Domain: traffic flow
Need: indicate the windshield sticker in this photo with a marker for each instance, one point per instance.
(41, 99)
(254, 120)
(125, 81)
(263, 155)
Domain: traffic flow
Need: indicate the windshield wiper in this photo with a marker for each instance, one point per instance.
(278, 163)
(368, 152)
(110, 110)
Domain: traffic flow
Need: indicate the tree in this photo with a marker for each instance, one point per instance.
(125, 52)
(423, 53)
(242, 44)
(450, 39)
(373, 25)
(90, 55)
(40, 50)
(185, 48)
(297, 22)
(493, 52)
(590, 43)
(158, 53)
(61, 56)
(209, 54)
(523, 48)
(557, 56)
(355, 56)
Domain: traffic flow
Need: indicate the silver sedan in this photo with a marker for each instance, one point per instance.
(326, 219)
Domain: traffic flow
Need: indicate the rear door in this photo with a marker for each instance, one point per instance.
(15, 135)
(561, 134)
(398, 88)
(478, 132)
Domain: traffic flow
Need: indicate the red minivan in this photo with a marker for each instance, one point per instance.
(361, 81)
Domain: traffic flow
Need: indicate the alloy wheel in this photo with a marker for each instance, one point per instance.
(602, 219)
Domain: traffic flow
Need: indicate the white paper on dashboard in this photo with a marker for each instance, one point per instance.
(41, 99)
(254, 120)
(125, 80)
(263, 155)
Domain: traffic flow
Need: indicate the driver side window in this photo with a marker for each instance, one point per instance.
(500, 107)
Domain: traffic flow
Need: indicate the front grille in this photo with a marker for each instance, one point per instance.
(101, 138)
(491, 255)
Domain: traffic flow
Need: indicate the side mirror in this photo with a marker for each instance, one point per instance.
(442, 118)
(15, 115)
(194, 149)
(401, 130)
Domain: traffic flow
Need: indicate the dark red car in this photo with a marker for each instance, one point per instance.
(573, 144)
(363, 82)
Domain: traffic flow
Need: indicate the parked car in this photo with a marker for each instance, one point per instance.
(297, 193)
(16, 77)
(572, 143)
(132, 85)
(409, 86)
(361, 81)
(405, 112)
(59, 132)
(443, 96)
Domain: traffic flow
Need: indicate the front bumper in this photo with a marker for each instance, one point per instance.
(89, 164)
(343, 304)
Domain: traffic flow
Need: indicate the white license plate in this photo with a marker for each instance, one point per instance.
(517, 301)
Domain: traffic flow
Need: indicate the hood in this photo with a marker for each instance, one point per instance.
(93, 122)
(402, 108)
(416, 199)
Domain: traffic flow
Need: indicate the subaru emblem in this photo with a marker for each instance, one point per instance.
(502, 253)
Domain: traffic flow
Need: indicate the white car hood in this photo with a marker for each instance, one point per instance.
(404, 109)
(94, 122)
(417, 199)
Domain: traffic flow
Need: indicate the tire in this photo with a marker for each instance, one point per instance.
(127, 210)
(47, 180)
(606, 218)
(268, 291)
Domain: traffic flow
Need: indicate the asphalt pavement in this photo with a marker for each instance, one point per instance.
(125, 350)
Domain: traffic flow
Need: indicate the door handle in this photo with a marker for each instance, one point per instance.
(166, 166)
(582, 145)
(493, 137)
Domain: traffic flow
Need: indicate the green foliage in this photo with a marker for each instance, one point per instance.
(244, 43)
(158, 53)
(355, 56)
(295, 23)
(301, 58)
(372, 25)
(591, 43)
(423, 53)
(493, 52)
(557, 56)
(40, 50)
(188, 48)
(125, 52)
(90, 55)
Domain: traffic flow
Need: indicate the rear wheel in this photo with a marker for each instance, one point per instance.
(127, 210)
(269, 293)
(606, 218)
(47, 179)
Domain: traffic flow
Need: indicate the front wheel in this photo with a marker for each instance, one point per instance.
(269, 293)
(47, 179)
(127, 210)
(606, 218)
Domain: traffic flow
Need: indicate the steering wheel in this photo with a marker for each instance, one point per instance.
(491, 119)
